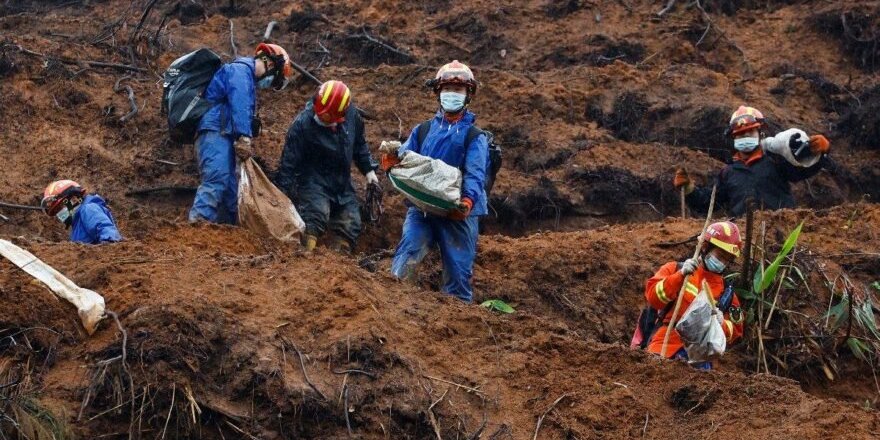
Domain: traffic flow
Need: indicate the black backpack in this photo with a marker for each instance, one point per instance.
(183, 89)
(473, 132)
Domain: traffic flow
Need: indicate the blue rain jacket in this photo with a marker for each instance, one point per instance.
(234, 92)
(93, 223)
(445, 141)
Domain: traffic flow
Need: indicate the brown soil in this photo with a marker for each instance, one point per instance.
(595, 104)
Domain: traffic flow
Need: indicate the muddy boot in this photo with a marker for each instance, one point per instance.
(341, 245)
(309, 242)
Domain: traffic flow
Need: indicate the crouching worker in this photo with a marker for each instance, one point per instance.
(315, 170)
(87, 215)
(721, 247)
(452, 137)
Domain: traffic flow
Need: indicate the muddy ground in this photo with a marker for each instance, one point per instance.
(595, 104)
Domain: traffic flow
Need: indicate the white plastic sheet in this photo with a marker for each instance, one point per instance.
(779, 145)
(89, 304)
(700, 330)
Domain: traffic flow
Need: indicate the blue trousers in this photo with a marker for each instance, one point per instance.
(457, 241)
(217, 197)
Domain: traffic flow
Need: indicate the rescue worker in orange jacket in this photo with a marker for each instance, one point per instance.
(721, 247)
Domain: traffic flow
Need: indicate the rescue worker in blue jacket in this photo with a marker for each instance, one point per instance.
(455, 235)
(87, 215)
(226, 130)
(315, 168)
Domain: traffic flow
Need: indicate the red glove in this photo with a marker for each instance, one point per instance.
(683, 180)
(464, 209)
(388, 160)
(819, 144)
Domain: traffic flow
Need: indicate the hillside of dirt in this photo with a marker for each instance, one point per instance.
(595, 104)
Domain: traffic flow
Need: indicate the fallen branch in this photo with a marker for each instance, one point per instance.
(541, 419)
(306, 73)
(365, 373)
(666, 9)
(173, 188)
(21, 207)
(66, 60)
(137, 30)
(364, 35)
(131, 100)
(269, 28)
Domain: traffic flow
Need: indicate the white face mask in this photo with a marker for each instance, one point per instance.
(452, 102)
(322, 123)
(63, 216)
(713, 264)
(266, 82)
(746, 144)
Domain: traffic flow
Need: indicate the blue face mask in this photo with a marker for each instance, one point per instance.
(452, 102)
(713, 264)
(266, 82)
(746, 144)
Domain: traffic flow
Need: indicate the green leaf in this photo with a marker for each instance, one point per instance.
(865, 317)
(758, 279)
(770, 274)
(858, 348)
(876, 285)
(498, 306)
(744, 294)
(839, 313)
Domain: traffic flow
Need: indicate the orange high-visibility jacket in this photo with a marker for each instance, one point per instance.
(662, 289)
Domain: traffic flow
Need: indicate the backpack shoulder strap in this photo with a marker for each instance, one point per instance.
(473, 132)
(422, 133)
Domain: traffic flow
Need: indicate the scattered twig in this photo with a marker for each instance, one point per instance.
(473, 390)
(131, 101)
(269, 28)
(649, 204)
(170, 407)
(302, 364)
(431, 417)
(541, 419)
(364, 35)
(306, 73)
(666, 9)
(365, 373)
(140, 24)
(66, 60)
(345, 409)
(702, 399)
(232, 38)
(645, 428)
(4, 218)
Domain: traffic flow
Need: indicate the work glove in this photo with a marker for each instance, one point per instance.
(689, 266)
(719, 315)
(463, 210)
(388, 161)
(683, 180)
(372, 179)
(819, 144)
(243, 148)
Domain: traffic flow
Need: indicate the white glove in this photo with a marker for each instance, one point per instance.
(371, 178)
(719, 315)
(243, 148)
(689, 266)
(389, 146)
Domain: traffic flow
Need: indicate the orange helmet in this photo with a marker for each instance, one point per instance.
(454, 73)
(57, 194)
(283, 67)
(332, 101)
(745, 119)
(724, 235)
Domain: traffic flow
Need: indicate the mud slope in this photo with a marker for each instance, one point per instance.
(231, 351)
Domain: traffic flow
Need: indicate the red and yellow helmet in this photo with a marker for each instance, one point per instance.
(745, 119)
(725, 236)
(332, 101)
(58, 193)
(283, 67)
(455, 72)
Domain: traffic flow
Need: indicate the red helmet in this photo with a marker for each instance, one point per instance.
(454, 73)
(724, 235)
(745, 119)
(283, 67)
(57, 194)
(332, 101)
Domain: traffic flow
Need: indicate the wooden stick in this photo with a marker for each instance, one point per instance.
(22, 207)
(672, 319)
(684, 213)
(232, 39)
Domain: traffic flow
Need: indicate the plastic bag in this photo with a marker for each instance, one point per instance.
(779, 145)
(89, 304)
(430, 184)
(263, 208)
(700, 330)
